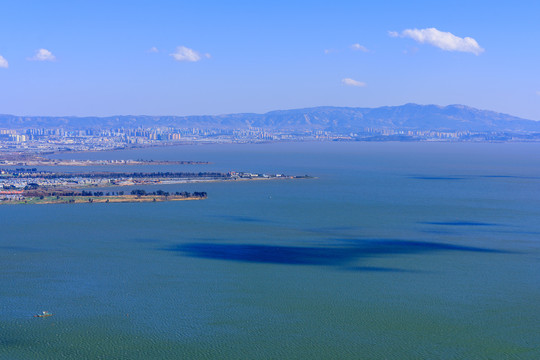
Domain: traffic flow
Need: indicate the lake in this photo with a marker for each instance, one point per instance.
(393, 251)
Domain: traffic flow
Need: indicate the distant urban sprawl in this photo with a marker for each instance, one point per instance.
(52, 140)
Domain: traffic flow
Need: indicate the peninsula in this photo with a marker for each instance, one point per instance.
(30, 186)
(67, 197)
(23, 160)
(32, 179)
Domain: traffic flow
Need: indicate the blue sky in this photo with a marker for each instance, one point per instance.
(211, 57)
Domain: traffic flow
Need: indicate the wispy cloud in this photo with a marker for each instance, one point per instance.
(153, 49)
(359, 47)
(352, 82)
(43, 55)
(183, 53)
(537, 93)
(329, 51)
(443, 40)
(3, 62)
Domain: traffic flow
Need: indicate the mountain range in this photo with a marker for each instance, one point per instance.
(325, 118)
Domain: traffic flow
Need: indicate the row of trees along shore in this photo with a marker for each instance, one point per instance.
(137, 192)
(114, 175)
(140, 192)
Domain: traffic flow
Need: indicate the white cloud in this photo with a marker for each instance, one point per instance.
(153, 49)
(329, 51)
(183, 53)
(43, 55)
(359, 47)
(537, 93)
(3, 62)
(352, 82)
(443, 40)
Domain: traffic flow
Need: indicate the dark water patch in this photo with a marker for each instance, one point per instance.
(459, 223)
(266, 253)
(321, 255)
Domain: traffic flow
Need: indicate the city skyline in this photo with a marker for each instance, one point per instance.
(100, 59)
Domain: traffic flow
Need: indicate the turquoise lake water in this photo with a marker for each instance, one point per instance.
(393, 251)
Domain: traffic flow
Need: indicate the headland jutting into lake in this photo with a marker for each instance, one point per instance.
(32, 186)
(85, 197)
(34, 160)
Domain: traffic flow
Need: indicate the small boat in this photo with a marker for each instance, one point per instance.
(44, 314)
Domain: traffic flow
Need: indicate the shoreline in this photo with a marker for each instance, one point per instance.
(188, 181)
(31, 180)
(72, 162)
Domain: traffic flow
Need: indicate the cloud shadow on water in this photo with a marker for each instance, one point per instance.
(320, 255)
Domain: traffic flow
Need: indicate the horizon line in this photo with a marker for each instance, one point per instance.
(264, 113)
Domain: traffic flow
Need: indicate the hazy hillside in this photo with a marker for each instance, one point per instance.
(406, 117)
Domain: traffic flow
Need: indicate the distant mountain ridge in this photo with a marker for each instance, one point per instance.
(324, 118)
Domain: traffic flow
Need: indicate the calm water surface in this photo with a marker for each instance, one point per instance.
(394, 251)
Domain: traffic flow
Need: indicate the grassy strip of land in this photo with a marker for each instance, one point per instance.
(64, 162)
(100, 199)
